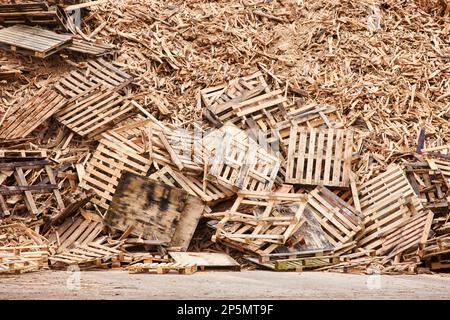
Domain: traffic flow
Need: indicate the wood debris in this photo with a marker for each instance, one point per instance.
(289, 135)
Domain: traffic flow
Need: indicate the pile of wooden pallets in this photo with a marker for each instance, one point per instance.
(116, 160)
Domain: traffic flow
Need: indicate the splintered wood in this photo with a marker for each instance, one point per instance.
(319, 157)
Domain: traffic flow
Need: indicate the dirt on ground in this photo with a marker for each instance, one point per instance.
(222, 285)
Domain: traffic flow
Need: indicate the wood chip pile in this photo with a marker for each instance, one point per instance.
(291, 135)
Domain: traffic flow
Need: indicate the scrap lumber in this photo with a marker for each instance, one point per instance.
(440, 162)
(27, 116)
(319, 156)
(154, 210)
(19, 259)
(33, 41)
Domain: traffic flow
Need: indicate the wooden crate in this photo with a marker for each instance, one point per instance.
(93, 73)
(113, 155)
(94, 111)
(85, 254)
(429, 185)
(207, 191)
(154, 210)
(33, 41)
(28, 115)
(319, 156)
(237, 162)
(340, 221)
(163, 268)
(23, 167)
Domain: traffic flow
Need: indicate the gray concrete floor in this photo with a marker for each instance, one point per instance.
(111, 284)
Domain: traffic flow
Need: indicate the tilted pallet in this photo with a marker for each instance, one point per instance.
(33, 41)
(93, 73)
(237, 162)
(340, 221)
(208, 191)
(94, 111)
(24, 118)
(91, 48)
(22, 168)
(429, 185)
(319, 156)
(85, 254)
(388, 202)
(162, 268)
(77, 231)
(113, 155)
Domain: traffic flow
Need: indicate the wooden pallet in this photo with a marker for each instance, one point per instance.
(94, 111)
(20, 259)
(219, 95)
(85, 254)
(163, 268)
(429, 185)
(340, 221)
(33, 14)
(207, 191)
(33, 41)
(388, 204)
(113, 155)
(440, 162)
(259, 217)
(319, 156)
(381, 196)
(154, 210)
(80, 45)
(22, 168)
(27, 116)
(237, 162)
(297, 264)
(78, 231)
(93, 73)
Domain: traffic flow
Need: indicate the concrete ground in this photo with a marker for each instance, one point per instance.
(221, 285)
